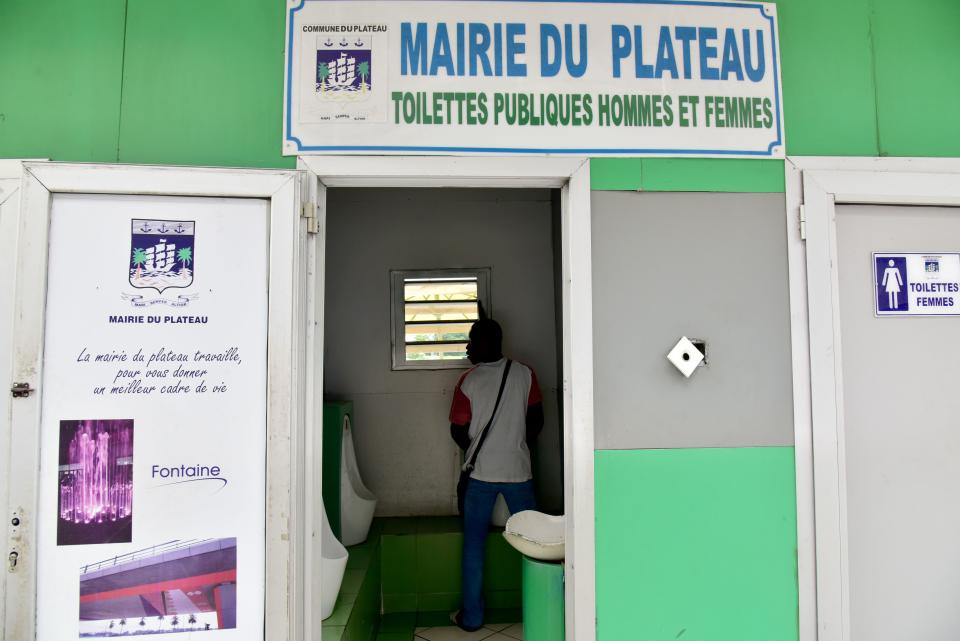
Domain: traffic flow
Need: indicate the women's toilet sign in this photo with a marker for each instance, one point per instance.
(913, 284)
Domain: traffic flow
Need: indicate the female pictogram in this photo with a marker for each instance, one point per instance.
(892, 283)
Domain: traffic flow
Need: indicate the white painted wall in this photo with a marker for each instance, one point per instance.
(703, 265)
(404, 448)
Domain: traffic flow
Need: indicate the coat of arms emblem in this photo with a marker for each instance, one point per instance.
(344, 68)
(161, 254)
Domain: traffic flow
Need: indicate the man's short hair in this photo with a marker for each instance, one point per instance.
(488, 329)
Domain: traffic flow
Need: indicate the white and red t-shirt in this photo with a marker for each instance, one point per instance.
(504, 457)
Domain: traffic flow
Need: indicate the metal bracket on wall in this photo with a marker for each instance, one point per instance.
(803, 223)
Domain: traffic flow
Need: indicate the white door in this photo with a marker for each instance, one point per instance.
(155, 477)
(901, 426)
(876, 405)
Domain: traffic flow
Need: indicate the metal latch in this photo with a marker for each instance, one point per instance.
(21, 390)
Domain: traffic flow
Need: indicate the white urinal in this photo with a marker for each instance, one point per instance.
(357, 503)
(333, 564)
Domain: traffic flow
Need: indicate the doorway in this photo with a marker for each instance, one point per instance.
(571, 176)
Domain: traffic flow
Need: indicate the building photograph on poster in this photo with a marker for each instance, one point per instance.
(95, 482)
(176, 586)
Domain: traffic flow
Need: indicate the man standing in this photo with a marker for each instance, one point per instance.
(503, 463)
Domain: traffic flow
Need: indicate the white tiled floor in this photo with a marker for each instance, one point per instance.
(492, 632)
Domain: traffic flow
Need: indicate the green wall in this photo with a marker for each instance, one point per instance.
(186, 82)
(140, 81)
(60, 66)
(696, 545)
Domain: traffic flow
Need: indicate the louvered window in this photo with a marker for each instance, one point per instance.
(432, 314)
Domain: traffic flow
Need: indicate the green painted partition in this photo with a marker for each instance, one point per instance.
(696, 544)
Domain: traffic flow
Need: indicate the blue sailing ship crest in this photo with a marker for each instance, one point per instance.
(344, 67)
(161, 254)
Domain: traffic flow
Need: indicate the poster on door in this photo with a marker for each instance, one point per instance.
(916, 284)
(153, 431)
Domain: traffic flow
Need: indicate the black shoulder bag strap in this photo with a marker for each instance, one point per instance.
(469, 465)
(486, 428)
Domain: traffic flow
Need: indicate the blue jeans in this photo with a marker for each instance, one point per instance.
(477, 510)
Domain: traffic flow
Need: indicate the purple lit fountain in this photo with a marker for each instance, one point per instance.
(96, 481)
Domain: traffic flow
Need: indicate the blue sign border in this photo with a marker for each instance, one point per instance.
(530, 150)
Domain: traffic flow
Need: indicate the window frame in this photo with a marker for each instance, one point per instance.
(398, 278)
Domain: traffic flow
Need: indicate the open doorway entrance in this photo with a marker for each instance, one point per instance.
(563, 300)
(405, 270)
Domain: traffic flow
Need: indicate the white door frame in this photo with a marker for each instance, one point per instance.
(10, 174)
(572, 176)
(284, 433)
(814, 186)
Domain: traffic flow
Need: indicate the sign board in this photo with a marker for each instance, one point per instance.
(153, 430)
(600, 78)
(914, 284)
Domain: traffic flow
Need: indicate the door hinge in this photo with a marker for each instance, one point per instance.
(309, 211)
(21, 390)
(803, 223)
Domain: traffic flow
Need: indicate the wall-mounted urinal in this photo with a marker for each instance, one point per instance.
(333, 563)
(357, 503)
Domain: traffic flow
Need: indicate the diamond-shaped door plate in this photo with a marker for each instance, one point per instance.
(685, 356)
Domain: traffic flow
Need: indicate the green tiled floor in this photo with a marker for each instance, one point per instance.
(409, 569)
(397, 627)
(421, 566)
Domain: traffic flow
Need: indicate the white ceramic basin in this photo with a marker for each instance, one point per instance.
(333, 565)
(357, 503)
(536, 535)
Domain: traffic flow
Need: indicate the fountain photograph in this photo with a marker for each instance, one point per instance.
(95, 484)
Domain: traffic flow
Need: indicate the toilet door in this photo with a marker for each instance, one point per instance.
(888, 421)
(152, 475)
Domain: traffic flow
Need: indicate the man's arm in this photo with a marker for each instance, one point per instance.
(460, 435)
(534, 421)
(461, 414)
